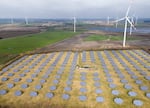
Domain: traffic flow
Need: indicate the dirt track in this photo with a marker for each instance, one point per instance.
(77, 43)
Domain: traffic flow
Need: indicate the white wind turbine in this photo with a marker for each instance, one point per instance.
(108, 20)
(127, 20)
(131, 26)
(26, 21)
(136, 20)
(117, 23)
(74, 24)
(12, 21)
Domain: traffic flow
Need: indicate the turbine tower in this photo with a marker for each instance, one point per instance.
(74, 24)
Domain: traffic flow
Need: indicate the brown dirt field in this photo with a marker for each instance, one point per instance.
(9, 31)
(77, 43)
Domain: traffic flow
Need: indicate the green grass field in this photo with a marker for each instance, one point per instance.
(22, 44)
(106, 37)
(10, 47)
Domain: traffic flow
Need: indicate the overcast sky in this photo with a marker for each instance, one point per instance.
(70, 8)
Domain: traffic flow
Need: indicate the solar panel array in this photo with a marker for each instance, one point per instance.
(115, 73)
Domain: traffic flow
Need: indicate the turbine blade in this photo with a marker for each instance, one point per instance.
(129, 21)
(119, 20)
(128, 10)
(132, 25)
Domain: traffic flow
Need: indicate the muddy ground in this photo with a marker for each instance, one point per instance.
(8, 31)
(77, 43)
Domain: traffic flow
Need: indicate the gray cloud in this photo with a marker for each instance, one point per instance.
(70, 8)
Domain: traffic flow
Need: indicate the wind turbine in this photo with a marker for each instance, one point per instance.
(74, 24)
(117, 23)
(136, 20)
(131, 25)
(12, 21)
(127, 20)
(108, 20)
(26, 21)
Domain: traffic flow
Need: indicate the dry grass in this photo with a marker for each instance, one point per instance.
(25, 101)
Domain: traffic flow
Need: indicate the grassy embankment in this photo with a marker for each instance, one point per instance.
(11, 47)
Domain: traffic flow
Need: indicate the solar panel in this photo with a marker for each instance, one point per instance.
(148, 95)
(33, 93)
(108, 75)
(18, 93)
(98, 91)
(38, 87)
(67, 89)
(10, 74)
(10, 85)
(127, 86)
(83, 78)
(29, 80)
(137, 102)
(111, 85)
(132, 93)
(96, 79)
(99, 99)
(122, 77)
(3, 92)
(138, 82)
(144, 88)
(83, 83)
(55, 81)
(115, 92)
(96, 74)
(82, 98)
(42, 81)
(147, 77)
(70, 77)
(4, 69)
(38, 71)
(118, 101)
(124, 81)
(109, 80)
(53, 88)
(33, 75)
(134, 77)
(57, 76)
(83, 56)
(22, 75)
(69, 82)
(17, 79)
(49, 95)
(65, 96)
(16, 70)
(97, 84)
(26, 71)
(4, 79)
(45, 76)
(83, 90)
